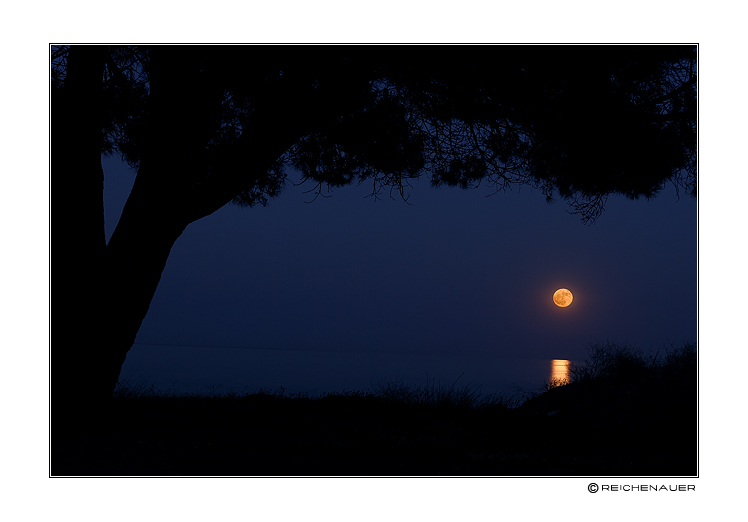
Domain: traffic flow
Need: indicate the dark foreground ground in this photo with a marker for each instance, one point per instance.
(643, 424)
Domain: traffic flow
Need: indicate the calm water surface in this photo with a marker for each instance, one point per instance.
(212, 369)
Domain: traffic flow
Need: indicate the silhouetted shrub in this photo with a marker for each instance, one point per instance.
(621, 362)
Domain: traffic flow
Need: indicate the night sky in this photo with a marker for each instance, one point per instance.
(455, 285)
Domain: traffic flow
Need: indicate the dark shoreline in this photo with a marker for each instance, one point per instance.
(553, 434)
(623, 415)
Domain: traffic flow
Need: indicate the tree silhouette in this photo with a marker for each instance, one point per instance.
(209, 125)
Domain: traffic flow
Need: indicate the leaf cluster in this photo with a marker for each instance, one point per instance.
(580, 122)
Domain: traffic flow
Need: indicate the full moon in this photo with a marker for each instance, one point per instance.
(562, 297)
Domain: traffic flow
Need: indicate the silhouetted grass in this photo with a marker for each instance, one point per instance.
(434, 394)
(624, 413)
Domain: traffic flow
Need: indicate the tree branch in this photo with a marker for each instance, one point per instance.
(672, 94)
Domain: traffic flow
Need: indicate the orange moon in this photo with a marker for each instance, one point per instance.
(562, 297)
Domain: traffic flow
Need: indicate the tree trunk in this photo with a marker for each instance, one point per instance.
(77, 230)
(135, 258)
(100, 293)
(93, 345)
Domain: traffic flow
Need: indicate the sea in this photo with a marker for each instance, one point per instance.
(219, 370)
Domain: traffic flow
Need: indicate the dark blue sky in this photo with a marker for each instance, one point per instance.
(345, 290)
